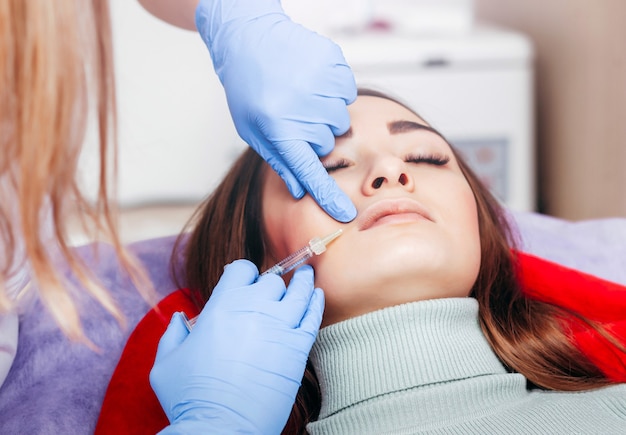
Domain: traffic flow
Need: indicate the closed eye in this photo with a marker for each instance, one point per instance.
(431, 159)
(334, 165)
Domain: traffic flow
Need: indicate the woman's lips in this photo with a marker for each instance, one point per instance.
(386, 211)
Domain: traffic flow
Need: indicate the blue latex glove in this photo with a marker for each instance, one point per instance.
(239, 369)
(287, 90)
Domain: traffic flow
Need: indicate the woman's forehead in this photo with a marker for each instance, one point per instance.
(379, 115)
(383, 109)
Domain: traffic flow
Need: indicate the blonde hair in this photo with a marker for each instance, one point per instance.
(56, 68)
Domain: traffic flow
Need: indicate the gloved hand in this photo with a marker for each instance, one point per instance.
(239, 369)
(287, 89)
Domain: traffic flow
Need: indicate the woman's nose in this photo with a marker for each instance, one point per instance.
(388, 172)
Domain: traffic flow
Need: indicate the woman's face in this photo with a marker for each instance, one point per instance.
(416, 233)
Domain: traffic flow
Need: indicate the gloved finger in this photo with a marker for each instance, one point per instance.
(267, 151)
(322, 187)
(326, 111)
(237, 274)
(340, 83)
(312, 318)
(341, 118)
(320, 120)
(345, 83)
(298, 294)
(269, 287)
(319, 137)
(174, 335)
(293, 185)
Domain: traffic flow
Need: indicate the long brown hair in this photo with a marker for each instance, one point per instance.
(56, 69)
(528, 336)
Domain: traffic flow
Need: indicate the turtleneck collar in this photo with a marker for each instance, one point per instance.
(399, 348)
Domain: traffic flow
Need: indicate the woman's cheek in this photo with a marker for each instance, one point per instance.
(302, 221)
(289, 223)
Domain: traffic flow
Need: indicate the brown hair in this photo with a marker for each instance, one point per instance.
(56, 69)
(528, 336)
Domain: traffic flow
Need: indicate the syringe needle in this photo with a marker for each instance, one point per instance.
(324, 241)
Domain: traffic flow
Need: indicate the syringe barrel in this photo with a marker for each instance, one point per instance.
(291, 262)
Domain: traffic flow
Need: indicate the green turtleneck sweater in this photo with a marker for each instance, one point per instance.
(426, 367)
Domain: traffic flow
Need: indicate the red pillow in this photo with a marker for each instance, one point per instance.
(130, 405)
(595, 298)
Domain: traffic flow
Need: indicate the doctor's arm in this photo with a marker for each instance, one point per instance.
(180, 13)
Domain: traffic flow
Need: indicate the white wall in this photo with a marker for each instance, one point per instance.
(175, 133)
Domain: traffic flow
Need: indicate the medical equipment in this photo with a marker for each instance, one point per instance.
(316, 246)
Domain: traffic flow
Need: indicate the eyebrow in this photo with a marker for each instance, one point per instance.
(397, 127)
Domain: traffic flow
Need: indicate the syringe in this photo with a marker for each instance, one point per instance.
(316, 246)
